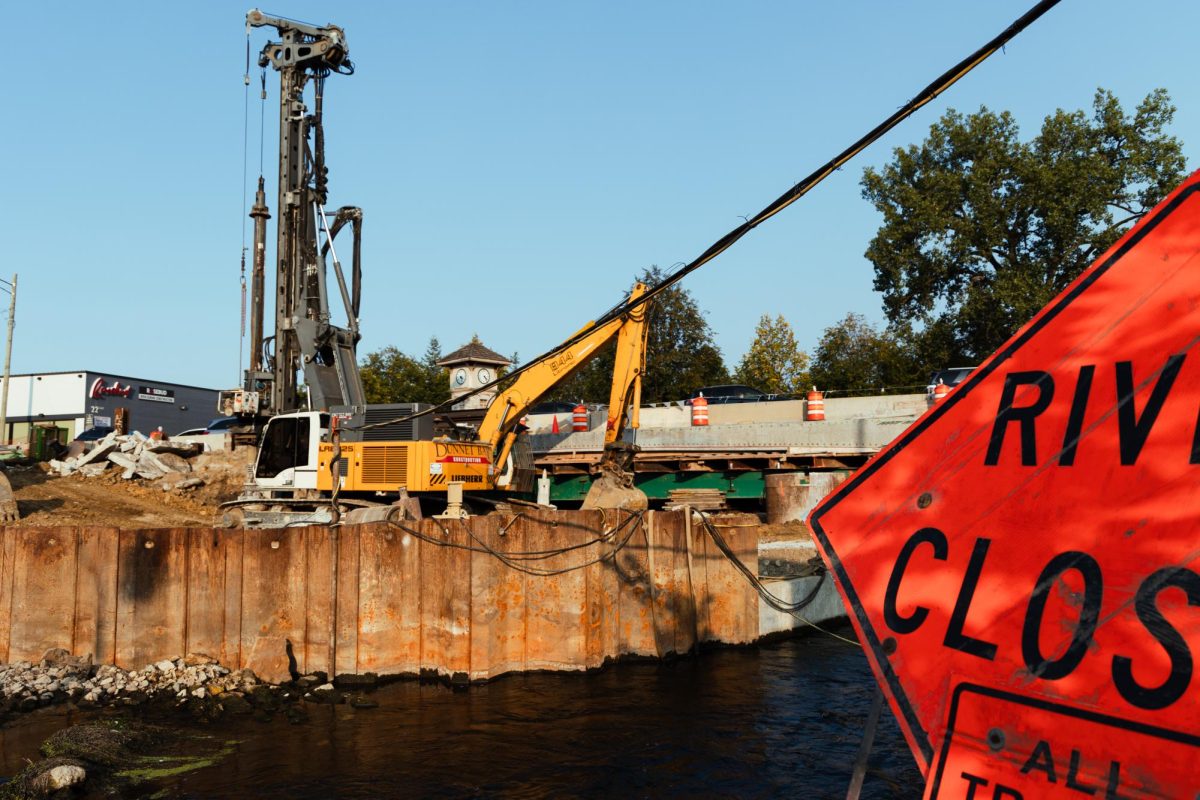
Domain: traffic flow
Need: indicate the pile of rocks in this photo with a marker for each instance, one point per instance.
(60, 677)
(139, 456)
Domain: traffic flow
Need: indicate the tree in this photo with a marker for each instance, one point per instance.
(774, 363)
(433, 353)
(855, 356)
(681, 355)
(981, 230)
(390, 376)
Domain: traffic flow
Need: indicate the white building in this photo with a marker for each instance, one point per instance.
(69, 403)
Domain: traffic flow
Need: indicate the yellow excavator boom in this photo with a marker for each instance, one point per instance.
(499, 426)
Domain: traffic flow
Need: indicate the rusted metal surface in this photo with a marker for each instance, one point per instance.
(379, 598)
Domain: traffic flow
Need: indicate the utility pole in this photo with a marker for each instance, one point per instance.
(12, 316)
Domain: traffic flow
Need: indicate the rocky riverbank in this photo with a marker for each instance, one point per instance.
(61, 677)
(194, 682)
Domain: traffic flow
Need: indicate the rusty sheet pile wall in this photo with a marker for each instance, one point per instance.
(379, 598)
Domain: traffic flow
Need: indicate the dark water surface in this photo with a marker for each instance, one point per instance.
(780, 720)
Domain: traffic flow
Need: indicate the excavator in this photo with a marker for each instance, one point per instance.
(313, 469)
(319, 455)
(485, 460)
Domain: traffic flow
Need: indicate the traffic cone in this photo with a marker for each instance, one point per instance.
(554, 424)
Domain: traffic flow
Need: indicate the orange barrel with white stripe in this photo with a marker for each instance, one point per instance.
(940, 391)
(814, 409)
(699, 411)
(579, 418)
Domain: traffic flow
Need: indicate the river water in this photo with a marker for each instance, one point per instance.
(778, 720)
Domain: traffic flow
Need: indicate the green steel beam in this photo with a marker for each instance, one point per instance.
(657, 486)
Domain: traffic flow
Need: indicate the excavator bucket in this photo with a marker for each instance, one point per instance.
(613, 490)
(8, 503)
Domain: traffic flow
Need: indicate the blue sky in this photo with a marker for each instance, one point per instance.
(518, 163)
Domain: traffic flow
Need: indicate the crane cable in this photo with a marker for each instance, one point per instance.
(926, 95)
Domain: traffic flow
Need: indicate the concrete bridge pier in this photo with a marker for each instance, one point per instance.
(791, 495)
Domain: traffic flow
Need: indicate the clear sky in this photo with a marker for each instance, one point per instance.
(518, 163)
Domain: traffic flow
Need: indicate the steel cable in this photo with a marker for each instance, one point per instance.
(514, 559)
(777, 603)
(939, 85)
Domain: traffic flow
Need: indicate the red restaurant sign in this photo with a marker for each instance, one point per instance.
(100, 389)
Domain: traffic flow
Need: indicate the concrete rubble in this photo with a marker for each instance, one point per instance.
(137, 456)
(60, 677)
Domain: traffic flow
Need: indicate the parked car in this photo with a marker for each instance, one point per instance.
(951, 376)
(227, 425)
(729, 393)
(94, 434)
(218, 425)
(552, 407)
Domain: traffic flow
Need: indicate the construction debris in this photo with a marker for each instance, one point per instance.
(138, 456)
(8, 504)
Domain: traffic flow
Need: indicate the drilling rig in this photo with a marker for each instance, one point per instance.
(308, 471)
(305, 337)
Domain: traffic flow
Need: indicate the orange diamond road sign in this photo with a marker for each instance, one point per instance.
(1023, 564)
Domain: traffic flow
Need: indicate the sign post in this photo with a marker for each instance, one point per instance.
(1023, 564)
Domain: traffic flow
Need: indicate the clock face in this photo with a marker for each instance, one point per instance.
(485, 376)
(460, 377)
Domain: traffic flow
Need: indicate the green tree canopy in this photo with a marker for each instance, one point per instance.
(980, 230)
(390, 376)
(774, 363)
(855, 356)
(681, 355)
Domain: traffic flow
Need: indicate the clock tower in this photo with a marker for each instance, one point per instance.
(471, 367)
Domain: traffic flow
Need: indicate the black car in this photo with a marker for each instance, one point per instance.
(552, 407)
(94, 434)
(227, 425)
(729, 393)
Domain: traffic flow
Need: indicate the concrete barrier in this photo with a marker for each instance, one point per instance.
(378, 598)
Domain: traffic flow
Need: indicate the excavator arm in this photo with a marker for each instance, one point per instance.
(499, 426)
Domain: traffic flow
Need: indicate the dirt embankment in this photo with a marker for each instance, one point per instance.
(45, 499)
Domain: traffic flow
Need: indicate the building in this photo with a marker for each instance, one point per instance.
(71, 402)
(472, 367)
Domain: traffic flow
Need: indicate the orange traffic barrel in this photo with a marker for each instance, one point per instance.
(814, 409)
(579, 418)
(700, 411)
(940, 391)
